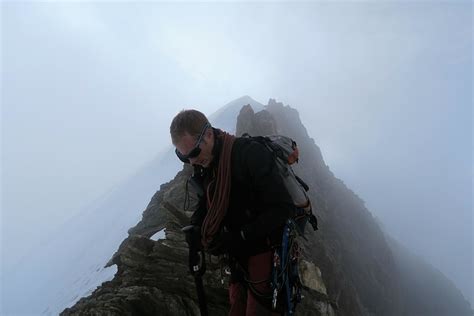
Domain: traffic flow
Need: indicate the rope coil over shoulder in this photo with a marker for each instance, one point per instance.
(218, 201)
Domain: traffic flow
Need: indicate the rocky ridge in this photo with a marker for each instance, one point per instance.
(349, 267)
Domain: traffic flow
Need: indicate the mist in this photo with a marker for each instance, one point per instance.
(385, 89)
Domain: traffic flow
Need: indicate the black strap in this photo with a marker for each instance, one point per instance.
(201, 294)
(303, 184)
(197, 264)
(313, 221)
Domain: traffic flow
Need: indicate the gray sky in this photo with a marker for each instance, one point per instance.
(385, 89)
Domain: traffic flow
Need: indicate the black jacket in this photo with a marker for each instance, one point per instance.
(259, 202)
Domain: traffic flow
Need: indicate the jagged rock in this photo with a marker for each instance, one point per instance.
(152, 276)
(260, 123)
(311, 276)
(245, 120)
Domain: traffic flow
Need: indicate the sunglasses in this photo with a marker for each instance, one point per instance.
(196, 150)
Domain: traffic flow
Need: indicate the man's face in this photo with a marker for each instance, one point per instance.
(187, 143)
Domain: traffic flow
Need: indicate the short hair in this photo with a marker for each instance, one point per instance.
(187, 122)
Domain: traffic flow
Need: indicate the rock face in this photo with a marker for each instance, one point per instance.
(348, 268)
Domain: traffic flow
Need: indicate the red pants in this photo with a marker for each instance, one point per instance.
(245, 304)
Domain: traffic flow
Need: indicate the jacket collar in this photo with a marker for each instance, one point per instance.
(217, 148)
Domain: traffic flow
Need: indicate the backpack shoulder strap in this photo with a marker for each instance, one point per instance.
(281, 146)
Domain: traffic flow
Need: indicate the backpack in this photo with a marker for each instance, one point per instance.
(286, 154)
(286, 283)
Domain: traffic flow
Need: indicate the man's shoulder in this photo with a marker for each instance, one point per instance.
(250, 153)
(248, 146)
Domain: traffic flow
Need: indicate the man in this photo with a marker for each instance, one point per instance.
(243, 206)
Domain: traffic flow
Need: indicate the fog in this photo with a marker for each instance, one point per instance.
(385, 89)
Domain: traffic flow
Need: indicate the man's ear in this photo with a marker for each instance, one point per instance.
(209, 134)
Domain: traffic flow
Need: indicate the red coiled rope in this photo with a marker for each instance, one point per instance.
(218, 202)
